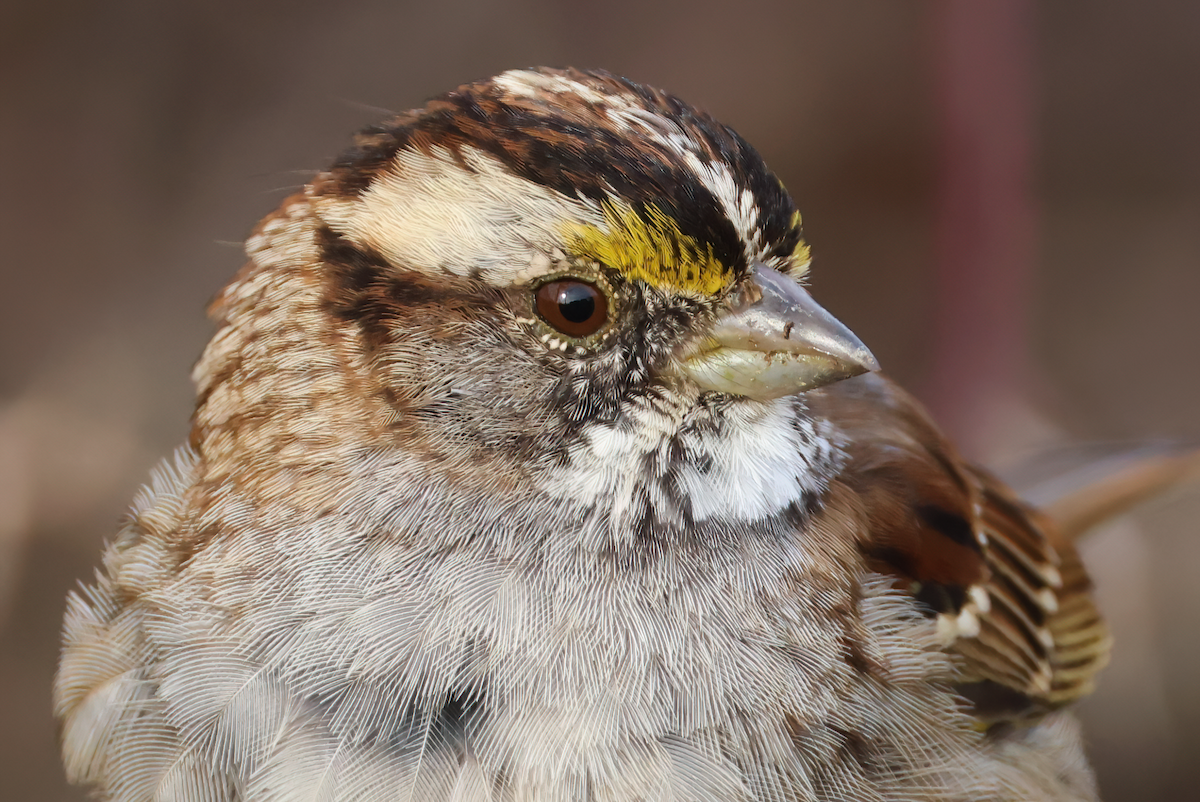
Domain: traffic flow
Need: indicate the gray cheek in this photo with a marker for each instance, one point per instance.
(473, 390)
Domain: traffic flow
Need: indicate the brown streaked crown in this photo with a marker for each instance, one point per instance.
(594, 135)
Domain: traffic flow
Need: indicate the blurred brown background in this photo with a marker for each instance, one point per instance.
(141, 139)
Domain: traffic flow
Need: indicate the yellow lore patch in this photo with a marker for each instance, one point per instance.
(650, 248)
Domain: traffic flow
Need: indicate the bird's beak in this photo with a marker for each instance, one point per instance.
(774, 340)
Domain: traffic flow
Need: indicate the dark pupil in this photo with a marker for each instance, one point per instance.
(576, 303)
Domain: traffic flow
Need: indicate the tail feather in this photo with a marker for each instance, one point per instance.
(1082, 496)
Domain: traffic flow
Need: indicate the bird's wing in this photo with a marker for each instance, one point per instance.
(1010, 595)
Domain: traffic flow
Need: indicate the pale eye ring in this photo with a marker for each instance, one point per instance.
(574, 307)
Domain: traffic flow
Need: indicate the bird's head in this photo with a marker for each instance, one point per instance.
(536, 255)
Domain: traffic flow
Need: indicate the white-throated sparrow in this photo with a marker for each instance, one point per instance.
(523, 468)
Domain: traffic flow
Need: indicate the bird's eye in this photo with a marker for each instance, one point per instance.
(576, 308)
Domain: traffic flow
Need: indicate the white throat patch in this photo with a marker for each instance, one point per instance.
(746, 463)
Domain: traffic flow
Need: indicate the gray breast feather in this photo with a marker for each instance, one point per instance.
(394, 673)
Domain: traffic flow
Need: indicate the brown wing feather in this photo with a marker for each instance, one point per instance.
(1010, 595)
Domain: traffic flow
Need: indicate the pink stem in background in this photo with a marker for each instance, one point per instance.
(985, 219)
